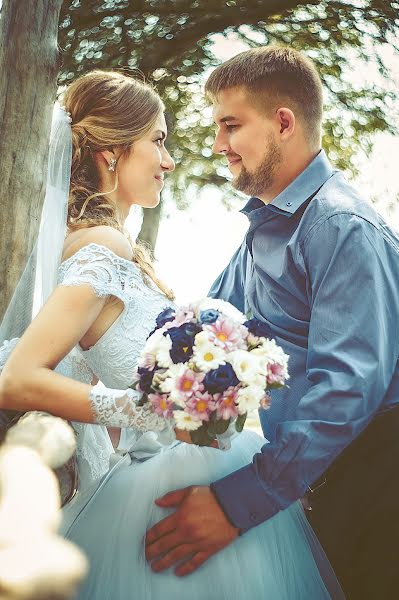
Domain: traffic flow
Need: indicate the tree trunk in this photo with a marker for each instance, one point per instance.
(150, 226)
(29, 62)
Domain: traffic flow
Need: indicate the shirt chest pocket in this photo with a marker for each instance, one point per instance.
(276, 292)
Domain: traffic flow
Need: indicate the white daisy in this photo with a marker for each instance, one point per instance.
(208, 356)
(185, 421)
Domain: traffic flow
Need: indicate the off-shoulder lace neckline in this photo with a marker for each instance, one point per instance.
(103, 248)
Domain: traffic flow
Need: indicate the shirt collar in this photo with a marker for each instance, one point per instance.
(297, 192)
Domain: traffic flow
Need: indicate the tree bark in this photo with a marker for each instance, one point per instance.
(150, 226)
(29, 63)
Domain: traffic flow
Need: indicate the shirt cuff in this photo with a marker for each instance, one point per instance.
(243, 498)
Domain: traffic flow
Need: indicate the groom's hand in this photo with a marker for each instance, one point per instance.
(191, 535)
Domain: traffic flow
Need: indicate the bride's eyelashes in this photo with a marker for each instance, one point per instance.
(159, 141)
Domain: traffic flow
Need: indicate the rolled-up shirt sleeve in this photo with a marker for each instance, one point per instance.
(353, 346)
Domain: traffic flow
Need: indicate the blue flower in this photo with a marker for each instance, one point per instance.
(145, 382)
(168, 314)
(259, 328)
(209, 316)
(182, 345)
(191, 329)
(220, 379)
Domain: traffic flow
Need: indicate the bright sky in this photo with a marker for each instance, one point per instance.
(196, 244)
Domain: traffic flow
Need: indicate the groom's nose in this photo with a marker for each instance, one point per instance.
(220, 145)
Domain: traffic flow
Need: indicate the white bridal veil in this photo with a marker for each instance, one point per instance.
(39, 277)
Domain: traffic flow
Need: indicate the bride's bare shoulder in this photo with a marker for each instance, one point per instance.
(103, 235)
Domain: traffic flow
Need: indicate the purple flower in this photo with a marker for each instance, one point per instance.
(218, 380)
(209, 316)
(166, 315)
(191, 329)
(182, 345)
(259, 328)
(145, 381)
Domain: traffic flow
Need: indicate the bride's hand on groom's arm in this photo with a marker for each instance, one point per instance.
(197, 530)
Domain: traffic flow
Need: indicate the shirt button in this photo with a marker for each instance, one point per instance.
(288, 203)
(253, 516)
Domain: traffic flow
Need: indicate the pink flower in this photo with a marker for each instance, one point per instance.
(201, 406)
(227, 334)
(266, 400)
(275, 374)
(148, 361)
(161, 405)
(182, 316)
(190, 382)
(226, 405)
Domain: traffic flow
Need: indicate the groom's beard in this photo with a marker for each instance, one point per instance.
(256, 183)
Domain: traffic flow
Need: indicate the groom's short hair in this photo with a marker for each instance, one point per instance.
(274, 76)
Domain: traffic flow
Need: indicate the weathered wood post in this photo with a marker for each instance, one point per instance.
(29, 62)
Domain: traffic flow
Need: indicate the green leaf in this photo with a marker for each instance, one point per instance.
(202, 436)
(240, 422)
(221, 425)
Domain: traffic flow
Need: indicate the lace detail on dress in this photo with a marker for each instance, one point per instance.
(113, 359)
(106, 272)
(93, 446)
(118, 408)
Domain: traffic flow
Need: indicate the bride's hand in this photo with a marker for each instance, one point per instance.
(184, 436)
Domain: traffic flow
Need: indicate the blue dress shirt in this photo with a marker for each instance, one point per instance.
(321, 267)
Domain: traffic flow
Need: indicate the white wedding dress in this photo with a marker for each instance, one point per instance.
(108, 517)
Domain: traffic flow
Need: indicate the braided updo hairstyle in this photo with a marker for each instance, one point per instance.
(109, 110)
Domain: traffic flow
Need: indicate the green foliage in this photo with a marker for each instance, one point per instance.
(171, 43)
(240, 422)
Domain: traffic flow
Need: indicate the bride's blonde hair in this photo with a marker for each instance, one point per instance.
(109, 111)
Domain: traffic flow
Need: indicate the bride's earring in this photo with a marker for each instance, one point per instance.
(112, 164)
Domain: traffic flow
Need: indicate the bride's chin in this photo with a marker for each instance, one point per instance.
(151, 203)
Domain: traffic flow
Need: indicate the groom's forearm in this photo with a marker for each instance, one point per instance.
(243, 499)
(283, 471)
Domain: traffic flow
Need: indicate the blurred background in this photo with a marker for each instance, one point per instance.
(177, 44)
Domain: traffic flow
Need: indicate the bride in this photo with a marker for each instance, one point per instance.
(78, 355)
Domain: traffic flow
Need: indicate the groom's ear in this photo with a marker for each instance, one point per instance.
(286, 122)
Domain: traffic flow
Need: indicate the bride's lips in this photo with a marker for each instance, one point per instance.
(160, 179)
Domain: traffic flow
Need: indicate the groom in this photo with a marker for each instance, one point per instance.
(322, 269)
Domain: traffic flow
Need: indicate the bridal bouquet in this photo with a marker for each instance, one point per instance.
(206, 367)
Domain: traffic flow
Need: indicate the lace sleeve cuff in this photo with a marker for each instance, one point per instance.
(118, 408)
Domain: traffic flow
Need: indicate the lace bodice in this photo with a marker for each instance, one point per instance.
(113, 358)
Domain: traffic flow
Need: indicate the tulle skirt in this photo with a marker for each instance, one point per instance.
(277, 560)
